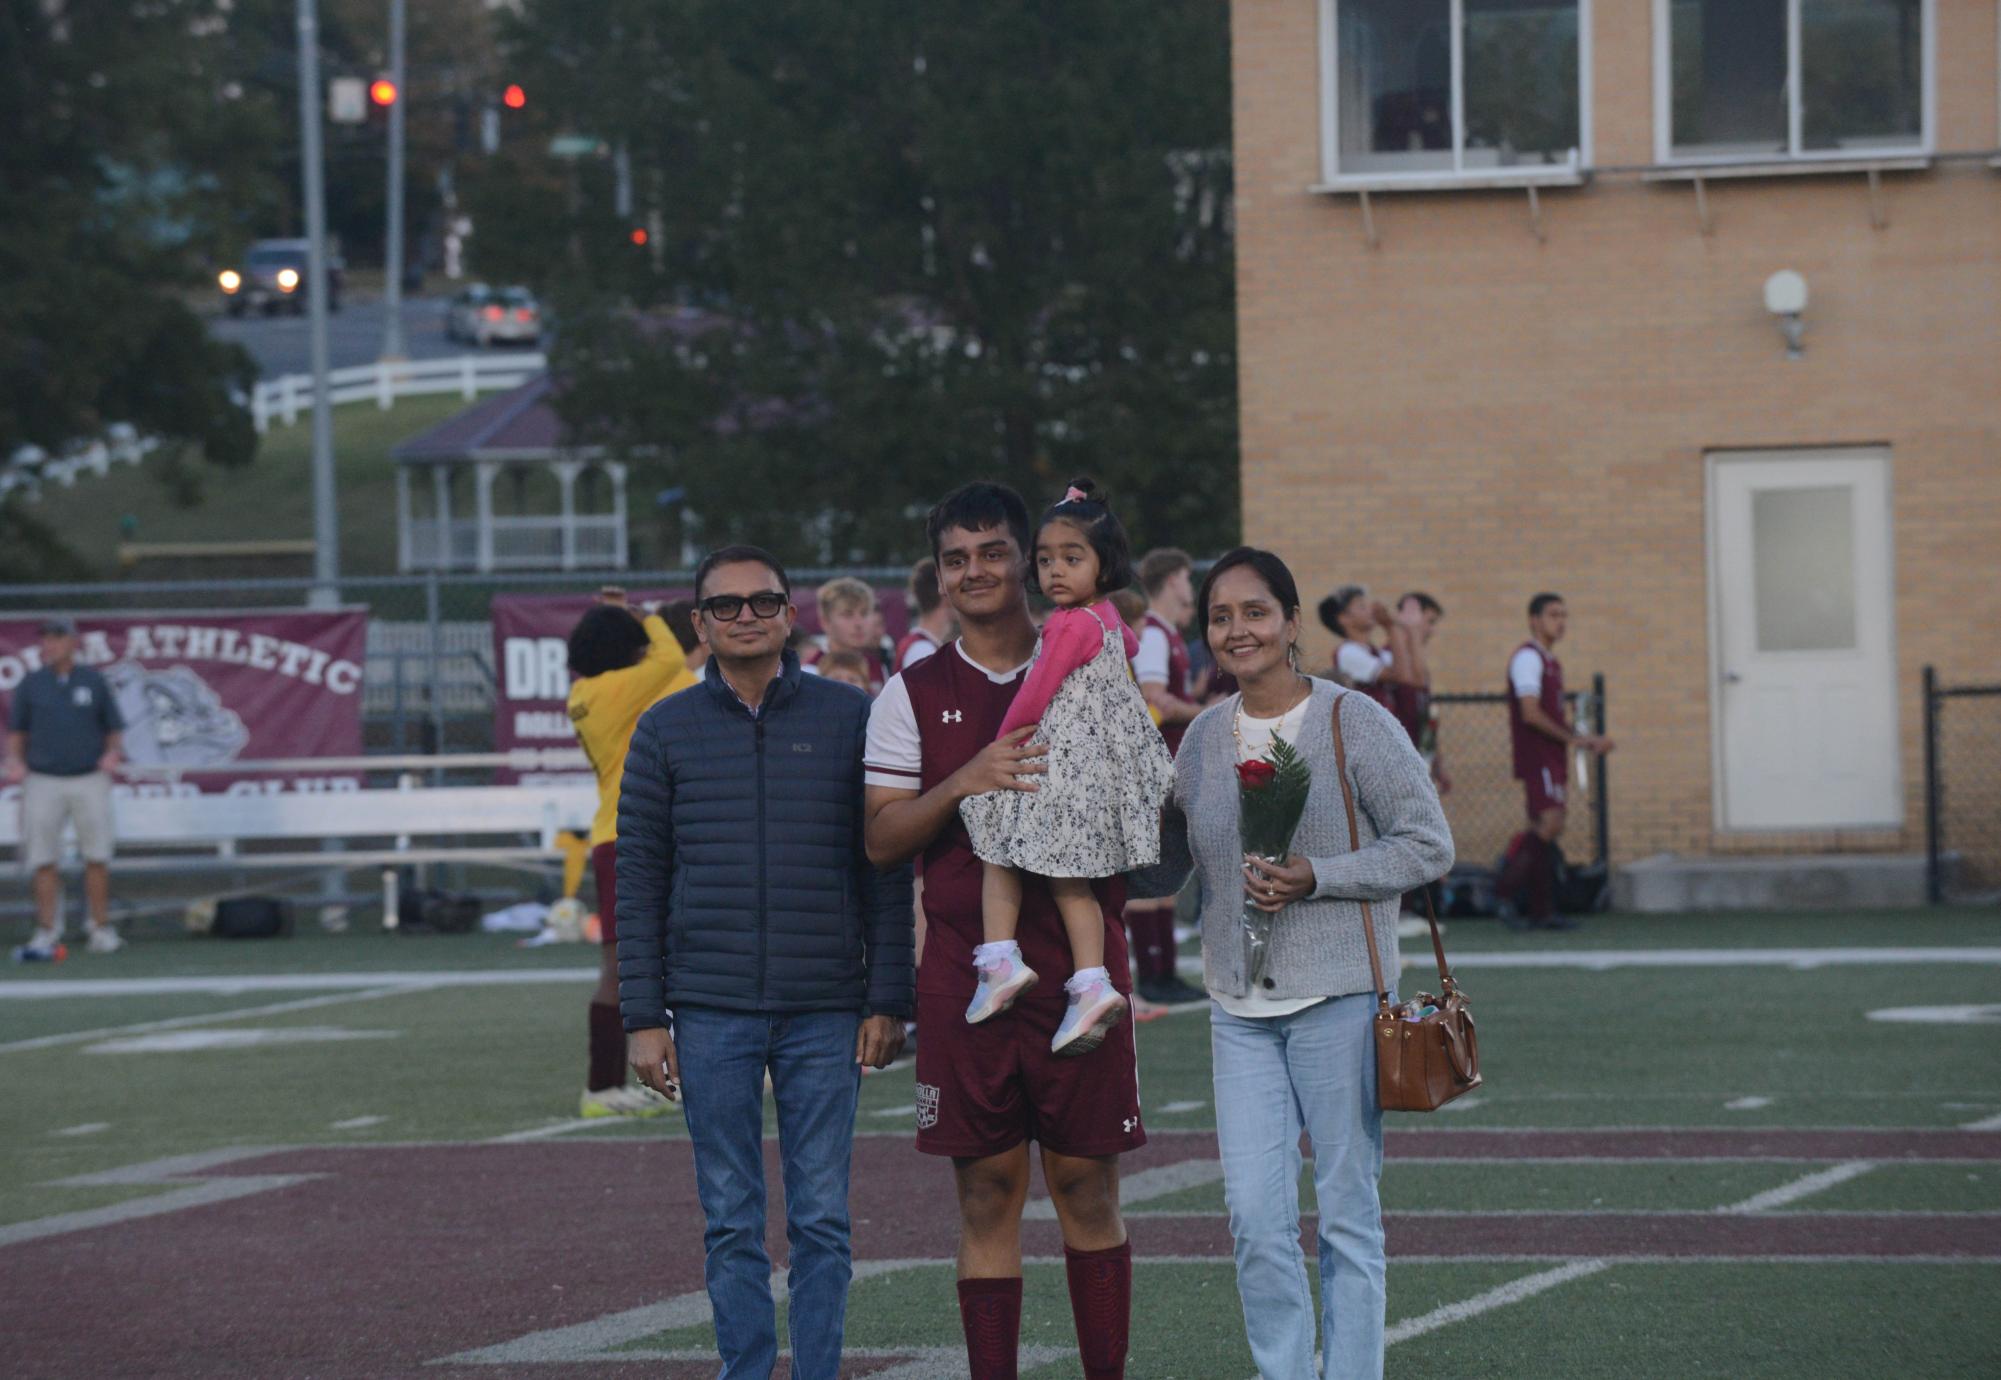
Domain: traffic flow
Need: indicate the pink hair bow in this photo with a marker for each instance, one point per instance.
(1075, 495)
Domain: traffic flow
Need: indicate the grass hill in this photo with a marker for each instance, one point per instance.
(271, 498)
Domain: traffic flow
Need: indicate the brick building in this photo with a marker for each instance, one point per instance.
(1501, 298)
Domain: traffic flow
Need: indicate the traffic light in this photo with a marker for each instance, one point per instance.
(382, 92)
(514, 98)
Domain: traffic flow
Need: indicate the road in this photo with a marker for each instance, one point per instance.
(354, 335)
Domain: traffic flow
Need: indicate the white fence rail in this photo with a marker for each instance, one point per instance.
(283, 399)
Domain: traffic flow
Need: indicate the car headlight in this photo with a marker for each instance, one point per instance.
(288, 278)
(229, 280)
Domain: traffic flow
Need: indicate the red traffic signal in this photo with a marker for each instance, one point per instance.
(382, 91)
(639, 236)
(514, 98)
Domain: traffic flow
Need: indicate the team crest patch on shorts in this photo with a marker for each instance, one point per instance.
(927, 1106)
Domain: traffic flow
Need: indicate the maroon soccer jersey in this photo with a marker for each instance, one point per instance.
(959, 709)
(1539, 757)
(1412, 706)
(1177, 674)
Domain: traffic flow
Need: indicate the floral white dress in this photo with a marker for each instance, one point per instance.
(1097, 812)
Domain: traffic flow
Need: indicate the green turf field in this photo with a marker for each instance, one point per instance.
(1830, 1208)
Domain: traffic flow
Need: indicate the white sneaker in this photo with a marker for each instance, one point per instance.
(45, 940)
(1091, 1015)
(105, 940)
(999, 986)
(633, 1099)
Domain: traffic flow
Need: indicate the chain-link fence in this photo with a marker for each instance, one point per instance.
(1485, 804)
(1962, 791)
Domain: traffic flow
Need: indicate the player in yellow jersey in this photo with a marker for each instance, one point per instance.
(624, 664)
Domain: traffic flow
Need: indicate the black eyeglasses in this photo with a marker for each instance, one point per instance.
(725, 608)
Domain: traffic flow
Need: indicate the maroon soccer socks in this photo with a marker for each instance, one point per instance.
(1101, 1297)
(1101, 1301)
(607, 1068)
(990, 1313)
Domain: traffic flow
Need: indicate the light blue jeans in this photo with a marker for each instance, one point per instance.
(1314, 1069)
(815, 1082)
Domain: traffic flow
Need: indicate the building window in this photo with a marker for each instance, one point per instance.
(1753, 79)
(1475, 88)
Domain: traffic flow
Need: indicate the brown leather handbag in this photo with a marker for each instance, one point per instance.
(1420, 1065)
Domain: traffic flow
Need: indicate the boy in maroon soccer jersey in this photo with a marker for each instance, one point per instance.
(985, 1091)
(1542, 743)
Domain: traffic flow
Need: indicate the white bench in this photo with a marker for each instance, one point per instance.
(512, 823)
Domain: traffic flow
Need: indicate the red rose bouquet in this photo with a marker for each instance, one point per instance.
(1271, 797)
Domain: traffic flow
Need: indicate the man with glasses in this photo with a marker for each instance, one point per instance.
(748, 909)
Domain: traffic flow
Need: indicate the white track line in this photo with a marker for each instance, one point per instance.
(212, 1018)
(1804, 1187)
(1512, 1292)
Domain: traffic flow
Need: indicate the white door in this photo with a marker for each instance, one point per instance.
(1804, 699)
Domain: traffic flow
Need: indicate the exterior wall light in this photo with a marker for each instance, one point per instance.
(1785, 298)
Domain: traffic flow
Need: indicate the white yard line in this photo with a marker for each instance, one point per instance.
(1176, 1108)
(1986, 1123)
(88, 1128)
(1746, 1104)
(1598, 960)
(1144, 1186)
(1512, 1292)
(895, 1111)
(1804, 1187)
(358, 1123)
(565, 1128)
(60, 988)
(75, 1037)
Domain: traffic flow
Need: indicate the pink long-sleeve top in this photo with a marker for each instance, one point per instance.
(1070, 638)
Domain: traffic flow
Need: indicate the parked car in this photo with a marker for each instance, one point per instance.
(272, 278)
(482, 315)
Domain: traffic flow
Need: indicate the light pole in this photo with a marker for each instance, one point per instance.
(392, 296)
(326, 522)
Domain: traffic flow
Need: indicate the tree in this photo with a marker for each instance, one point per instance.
(909, 245)
(107, 110)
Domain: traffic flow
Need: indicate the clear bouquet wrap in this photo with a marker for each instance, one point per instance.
(1271, 797)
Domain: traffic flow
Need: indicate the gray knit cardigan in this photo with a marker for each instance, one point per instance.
(1317, 945)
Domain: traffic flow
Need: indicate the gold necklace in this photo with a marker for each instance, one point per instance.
(1237, 719)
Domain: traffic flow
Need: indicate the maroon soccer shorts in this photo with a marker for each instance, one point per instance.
(1544, 792)
(984, 1089)
(604, 867)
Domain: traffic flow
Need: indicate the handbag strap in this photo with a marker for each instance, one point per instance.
(1368, 914)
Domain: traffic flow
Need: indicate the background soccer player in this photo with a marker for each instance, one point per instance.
(1542, 743)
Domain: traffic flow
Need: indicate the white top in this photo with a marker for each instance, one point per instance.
(921, 646)
(1257, 737)
(894, 755)
(1525, 672)
(1360, 663)
(1151, 661)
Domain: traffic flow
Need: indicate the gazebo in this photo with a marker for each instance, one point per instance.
(535, 502)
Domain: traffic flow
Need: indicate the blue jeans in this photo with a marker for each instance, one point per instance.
(1274, 1075)
(815, 1081)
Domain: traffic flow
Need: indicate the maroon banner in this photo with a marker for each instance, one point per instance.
(531, 660)
(208, 689)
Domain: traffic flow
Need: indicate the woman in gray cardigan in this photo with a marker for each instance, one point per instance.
(1295, 1052)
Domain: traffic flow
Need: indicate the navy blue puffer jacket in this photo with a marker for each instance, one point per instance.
(742, 880)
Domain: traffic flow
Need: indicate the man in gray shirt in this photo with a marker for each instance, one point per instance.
(64, 740)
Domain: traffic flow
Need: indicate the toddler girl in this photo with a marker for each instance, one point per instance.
(1097, 811)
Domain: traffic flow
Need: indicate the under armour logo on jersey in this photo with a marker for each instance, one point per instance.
(1129, 1123)
(952, 716)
